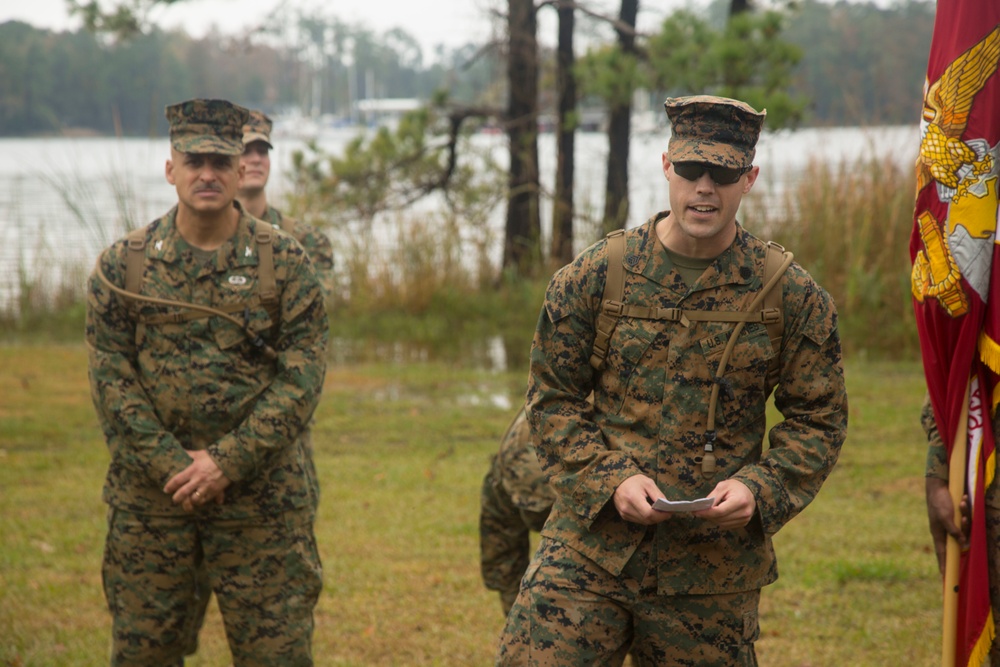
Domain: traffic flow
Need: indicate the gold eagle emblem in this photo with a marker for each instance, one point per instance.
(946, 110)
(943, 155)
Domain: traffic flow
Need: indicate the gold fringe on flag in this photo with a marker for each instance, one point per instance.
(982, 648)
(991, 469)
(989, 353)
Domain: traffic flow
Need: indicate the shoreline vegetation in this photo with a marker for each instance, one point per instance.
(848, 224)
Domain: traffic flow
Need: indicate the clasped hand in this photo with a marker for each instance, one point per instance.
(733, 508)
(202, 482)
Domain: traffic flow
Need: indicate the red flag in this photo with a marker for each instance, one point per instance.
(956, 269)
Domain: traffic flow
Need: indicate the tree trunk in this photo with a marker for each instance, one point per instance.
(522, 251)
(619, 133)
(561, 250)
(738, 7)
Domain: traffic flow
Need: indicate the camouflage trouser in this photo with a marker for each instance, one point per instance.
(571, 612)
(203, 587)
(993, 545)
(200, 595)
(265, 572)
(311, 476)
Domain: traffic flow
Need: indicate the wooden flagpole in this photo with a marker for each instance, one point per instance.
(953, 554)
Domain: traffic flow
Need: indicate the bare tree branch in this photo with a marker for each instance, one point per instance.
(616, 23)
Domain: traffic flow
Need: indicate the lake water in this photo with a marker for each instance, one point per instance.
(63, 200)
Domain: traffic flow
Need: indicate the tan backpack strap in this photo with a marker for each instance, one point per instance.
(135, 259)
(686, 317)
(187, 315)
(776, 262)
(773, 263)
(267, 284)
(772, 279)
(611, 298)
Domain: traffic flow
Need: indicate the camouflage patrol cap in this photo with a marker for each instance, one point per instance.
(207, 126)
(715, 130)
(258, 128)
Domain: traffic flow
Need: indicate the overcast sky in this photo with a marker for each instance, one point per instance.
(449, 22)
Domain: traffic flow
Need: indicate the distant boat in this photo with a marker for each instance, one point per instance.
(295, 126)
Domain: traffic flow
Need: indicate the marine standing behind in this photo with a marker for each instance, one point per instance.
(612, 574)
(252, 195)
(203, 413)
(515, 500)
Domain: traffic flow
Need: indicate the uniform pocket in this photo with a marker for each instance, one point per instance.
(303, 567)
(751, 633)
(629, 344)
(158, 345)
(108, 579)
(228, 335)
(530, 572)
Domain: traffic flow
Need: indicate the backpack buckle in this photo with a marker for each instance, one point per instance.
(614, 308)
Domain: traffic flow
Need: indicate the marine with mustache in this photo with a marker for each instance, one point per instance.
(204, 376)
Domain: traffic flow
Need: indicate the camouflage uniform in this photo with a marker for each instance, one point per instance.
(682, 592)
(316, 243)
(161, 387)
(937, 466)
(516, 499)
(320, 251)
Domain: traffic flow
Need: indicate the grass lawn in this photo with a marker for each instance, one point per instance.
(401, 450)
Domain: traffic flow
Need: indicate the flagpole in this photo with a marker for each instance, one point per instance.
(953, 554)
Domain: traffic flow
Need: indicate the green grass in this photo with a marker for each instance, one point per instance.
(401, 451)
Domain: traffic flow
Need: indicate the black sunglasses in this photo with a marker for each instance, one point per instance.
(692, 171)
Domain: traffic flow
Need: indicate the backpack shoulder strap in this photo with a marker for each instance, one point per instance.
(267, 284)
(134, 259)
(776, 262)
(611, 299)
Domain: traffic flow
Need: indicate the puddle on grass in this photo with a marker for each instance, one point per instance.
(495, 354)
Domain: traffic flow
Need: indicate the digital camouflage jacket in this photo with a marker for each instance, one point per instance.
(313, 240)
(160, 388)
(651, 404)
